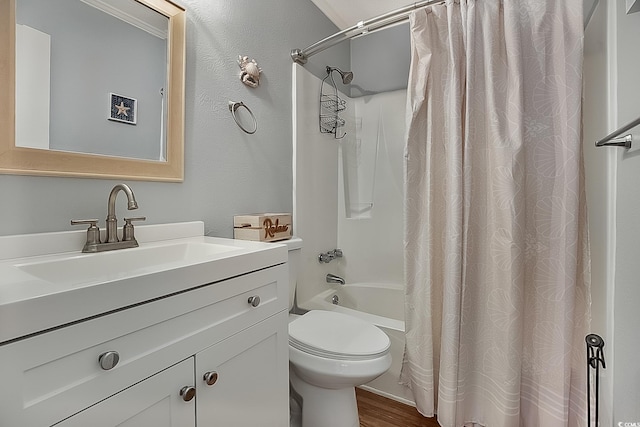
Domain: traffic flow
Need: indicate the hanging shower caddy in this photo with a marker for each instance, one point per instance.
(330, 105)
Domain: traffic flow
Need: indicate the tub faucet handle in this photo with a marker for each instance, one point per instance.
(325, 257)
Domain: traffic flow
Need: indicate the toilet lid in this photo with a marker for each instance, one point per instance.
(332, 334)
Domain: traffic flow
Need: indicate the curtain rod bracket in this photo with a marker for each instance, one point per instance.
(298, 57)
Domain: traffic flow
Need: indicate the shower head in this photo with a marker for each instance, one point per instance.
(347, 76)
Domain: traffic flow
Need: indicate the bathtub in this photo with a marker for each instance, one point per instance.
(382, 305)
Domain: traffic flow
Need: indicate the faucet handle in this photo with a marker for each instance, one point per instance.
(325, 257)
(92, 222)
(93, 232)
(336, 253)
(127, 230)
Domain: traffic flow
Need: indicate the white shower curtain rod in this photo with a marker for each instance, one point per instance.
(389, 18)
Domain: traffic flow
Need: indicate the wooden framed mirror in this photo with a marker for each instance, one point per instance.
(57, 154)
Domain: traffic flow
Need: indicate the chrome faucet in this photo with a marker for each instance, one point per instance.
(93, 243)
(112, 221)
(332, 278)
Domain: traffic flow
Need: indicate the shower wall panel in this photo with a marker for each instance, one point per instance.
(315, 185)
(370, 211)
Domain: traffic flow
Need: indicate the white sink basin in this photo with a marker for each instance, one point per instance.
(99, 267)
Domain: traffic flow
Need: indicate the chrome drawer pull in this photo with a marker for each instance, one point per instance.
(188, 393)
(254, 301)
(108, 360)
(210, 377)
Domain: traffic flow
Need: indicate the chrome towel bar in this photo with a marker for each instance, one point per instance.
(612, 140)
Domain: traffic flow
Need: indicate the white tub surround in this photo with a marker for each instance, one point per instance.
(378, 303)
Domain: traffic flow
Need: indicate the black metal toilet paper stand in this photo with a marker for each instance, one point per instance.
(595, 357)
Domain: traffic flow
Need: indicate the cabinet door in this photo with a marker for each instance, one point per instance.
(154, 402)
(251, 373)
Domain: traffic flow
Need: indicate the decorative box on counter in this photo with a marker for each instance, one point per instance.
(264, 227)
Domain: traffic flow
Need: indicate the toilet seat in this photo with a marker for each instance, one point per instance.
(337, 336)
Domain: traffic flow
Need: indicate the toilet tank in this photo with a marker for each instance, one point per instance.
(294, 246)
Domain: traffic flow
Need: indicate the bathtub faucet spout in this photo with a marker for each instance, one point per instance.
(332, 278)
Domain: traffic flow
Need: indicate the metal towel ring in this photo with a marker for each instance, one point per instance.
(233, 106)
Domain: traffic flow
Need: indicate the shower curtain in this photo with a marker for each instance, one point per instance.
(497, 255)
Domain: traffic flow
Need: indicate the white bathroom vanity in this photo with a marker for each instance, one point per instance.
(184, 330)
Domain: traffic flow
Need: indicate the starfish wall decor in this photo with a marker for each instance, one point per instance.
(123, 109)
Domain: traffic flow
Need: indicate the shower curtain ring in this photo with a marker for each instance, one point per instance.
(233, 106)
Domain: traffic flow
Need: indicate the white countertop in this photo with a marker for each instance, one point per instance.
(32, 302)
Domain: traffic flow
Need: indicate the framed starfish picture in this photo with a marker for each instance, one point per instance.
(122, 109)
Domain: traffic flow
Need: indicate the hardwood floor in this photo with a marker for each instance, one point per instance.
(378, 411)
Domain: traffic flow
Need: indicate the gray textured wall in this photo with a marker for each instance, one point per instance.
(227, 172)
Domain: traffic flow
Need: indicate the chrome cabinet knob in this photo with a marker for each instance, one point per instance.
(108, 360)
(188, 393)
(254, 301)
(210, 377)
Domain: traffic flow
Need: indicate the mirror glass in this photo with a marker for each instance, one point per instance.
(96, 88)
(90, 77)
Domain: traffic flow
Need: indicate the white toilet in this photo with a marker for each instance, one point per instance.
(329, 354)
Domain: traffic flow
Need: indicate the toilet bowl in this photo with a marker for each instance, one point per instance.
(330, 354)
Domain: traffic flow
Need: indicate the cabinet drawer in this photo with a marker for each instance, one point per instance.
(57, 374)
